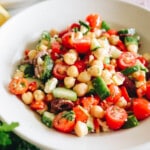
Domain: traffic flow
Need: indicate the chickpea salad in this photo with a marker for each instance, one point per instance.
(88, 78)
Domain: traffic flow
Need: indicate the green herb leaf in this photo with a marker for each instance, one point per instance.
(8, 127)
(5, 139)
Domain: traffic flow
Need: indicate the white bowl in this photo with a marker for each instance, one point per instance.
(23, 29)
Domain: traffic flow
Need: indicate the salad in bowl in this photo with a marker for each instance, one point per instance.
(87, 78)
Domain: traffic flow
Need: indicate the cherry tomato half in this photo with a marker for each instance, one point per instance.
(67, 39)
(141, 108)
(126, 59)
(115, 117)
(82, 45)
(18, 86)
(63, 123)
(94, 20)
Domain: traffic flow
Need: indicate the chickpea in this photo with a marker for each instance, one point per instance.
(42, 47)
(27, 97)
(84, 77)
(39, 95)
(107, 76)
(70, 57)
(95, 70)
(32, 54)
(69, 82)
(100, 53)
(18, 74)
(97, 111)
(81, 89)
(97, 62)
(81, 129)
(53, 32)
(113, 39)
(133, 48)
(121, 102)
(72, 71)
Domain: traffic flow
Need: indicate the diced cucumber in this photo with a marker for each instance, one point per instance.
(115, 52)
(40, 85)
(47, 118)
(101, 88)
(27, 69)
(90, 124)
(130, 40)
(50, 85)
(130, 70)
(131, 122)
(94, 44)
(65, 93)
(106, 60)
(130, 31)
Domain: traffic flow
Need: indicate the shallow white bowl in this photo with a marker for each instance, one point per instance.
(23, 29)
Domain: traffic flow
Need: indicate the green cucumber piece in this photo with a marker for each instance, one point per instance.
(130, 31)
(94, 44)
(90, 124)
(65, 93)
(47, 118)
(101, 88)
(130, 70)
(130, 40)
(131, 122)
(27, 69)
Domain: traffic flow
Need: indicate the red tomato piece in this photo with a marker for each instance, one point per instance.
(32, 86)
(87, 102)
(115, 117)
(94, 20)
(115, 94)
(75, 26)
(125, 94)
(18, 86)
(80, 65)
(120, 45)
(126, 59)
(143, 60)
(37, 105)
(82, 45)
(64, 121)
(55, 46)
(59, 70)
(80, 113)
(148, 91)
(141, 91)
(67, 39)
(141, 108)
(112, 32)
